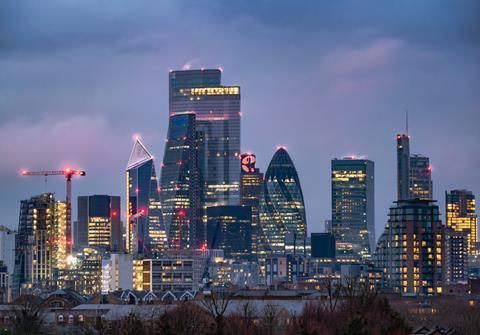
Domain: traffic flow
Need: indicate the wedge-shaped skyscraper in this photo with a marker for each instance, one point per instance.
(282, 216)
(145, 230)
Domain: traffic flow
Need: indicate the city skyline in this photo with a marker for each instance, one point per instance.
(103, 153)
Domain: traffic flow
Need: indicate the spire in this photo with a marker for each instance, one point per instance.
(406, 122)
(139, 155)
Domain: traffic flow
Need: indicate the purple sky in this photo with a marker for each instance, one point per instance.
(326, 79)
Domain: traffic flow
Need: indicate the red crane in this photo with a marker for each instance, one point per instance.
(69, 174)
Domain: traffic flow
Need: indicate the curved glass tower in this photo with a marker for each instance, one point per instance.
(179, 182)
(282, 216)
(145, 231)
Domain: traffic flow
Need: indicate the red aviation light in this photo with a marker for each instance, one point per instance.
(69, 242)
(181, 213)
(114, 213)
(203, 247)
(136, 190)
(142, 211)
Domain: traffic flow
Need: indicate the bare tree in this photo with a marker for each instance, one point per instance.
(28, 318)
(216, 304)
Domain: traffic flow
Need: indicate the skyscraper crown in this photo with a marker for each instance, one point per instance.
(139, 155)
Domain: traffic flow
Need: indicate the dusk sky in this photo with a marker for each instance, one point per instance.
(325, 79)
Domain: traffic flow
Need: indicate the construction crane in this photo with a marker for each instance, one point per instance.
(69, 174)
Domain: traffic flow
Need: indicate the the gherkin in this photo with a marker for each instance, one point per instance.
(282, 218)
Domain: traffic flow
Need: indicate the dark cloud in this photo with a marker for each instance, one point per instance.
(326, 79)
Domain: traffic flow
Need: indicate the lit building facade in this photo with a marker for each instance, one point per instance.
(230, 228)
(175, 274)
(456, 256)
(84, 274)
(145, 231)
(403, 167)
(180, 184)
(99, 224)
(251, 182)
(40, 244)
(283, 222)
(420, 178)
(353, 207)
(461, 215)
(217, 111)
(411, 252)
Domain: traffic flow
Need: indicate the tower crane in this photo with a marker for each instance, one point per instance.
(69, 174)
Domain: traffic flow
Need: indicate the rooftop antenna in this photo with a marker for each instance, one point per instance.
(406, 121)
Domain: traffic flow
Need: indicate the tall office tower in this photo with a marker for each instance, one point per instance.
(403, 167)
(282, 214)
(145, 232)
(353, 207)
(230, 228)
(40, 248)
(217, 110)
(461, 216)
(420, 178)
(410, 251)
(251, 181)
(98, 224)
(180, 183)
(456, 256)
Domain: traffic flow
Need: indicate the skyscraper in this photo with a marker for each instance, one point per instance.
(282, 215)
(251, 181)
(420, 178)
(353, 207)
(230, 228)
(403, 166)
(461, 215)
(217, 111)
(180, 184)
(40, 247)
(99, 224)
(143, 210)
(410, 251)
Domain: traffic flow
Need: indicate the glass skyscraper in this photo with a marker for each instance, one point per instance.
(99, 223)
(142, 198)
(251, 182)
(282, 215)
(353, 211)
(414, 174)
(420, 178)
(217, 111)
(180, 185)
(403, 166)
(461, 215)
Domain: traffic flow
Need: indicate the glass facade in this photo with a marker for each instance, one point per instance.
(461, 215)
(217, 111)
(230, 228)
(142, 197)
(410, 252)
(403, 166)
(99, 223)
(282, 215)
(180, 184)
(420, 178)
(353, 211)
(251, 182)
